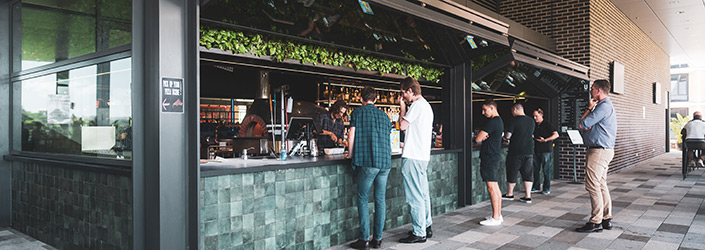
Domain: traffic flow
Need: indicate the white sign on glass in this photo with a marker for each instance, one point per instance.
(59, 109)
(97, 138)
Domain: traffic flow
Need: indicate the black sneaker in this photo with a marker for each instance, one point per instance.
(589, 228)
(607, 224)
(525, 200)
(429, 232)
(507, 197)
(413, 239)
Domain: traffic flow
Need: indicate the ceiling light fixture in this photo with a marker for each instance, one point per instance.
(674, 2)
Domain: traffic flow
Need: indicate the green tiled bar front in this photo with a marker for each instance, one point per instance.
(306, 208)
(479, 188)
(71, 208)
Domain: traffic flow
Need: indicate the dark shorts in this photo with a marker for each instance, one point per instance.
(523, 164)
(489, 168)
(695, 144)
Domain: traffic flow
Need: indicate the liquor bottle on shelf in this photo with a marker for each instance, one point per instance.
(326, 93)
(341, 94)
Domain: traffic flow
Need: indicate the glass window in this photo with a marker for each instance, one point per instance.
(679, 88)
(50, 31)
(83, 111)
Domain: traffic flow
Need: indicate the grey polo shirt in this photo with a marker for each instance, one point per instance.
(603, 126)
(695, 129)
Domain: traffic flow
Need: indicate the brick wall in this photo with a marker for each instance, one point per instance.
(595, 33)
(566, 21)
(614, 37)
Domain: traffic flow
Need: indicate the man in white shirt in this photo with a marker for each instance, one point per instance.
(418, 126)
(694, 134)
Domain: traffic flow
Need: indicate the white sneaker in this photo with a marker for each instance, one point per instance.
(700, 163)
(492, 222)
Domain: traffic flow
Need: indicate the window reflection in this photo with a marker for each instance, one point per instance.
(84, 111)
(52, 31)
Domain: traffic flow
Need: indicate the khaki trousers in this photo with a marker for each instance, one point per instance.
(598, 161)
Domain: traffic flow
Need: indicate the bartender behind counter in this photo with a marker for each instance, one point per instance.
(332, 125)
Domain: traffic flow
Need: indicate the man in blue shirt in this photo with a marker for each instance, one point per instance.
(598, 127)
(370, 147)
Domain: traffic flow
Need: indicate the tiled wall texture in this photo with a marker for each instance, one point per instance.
(479, 188)
(595, 33)
(72, 209)
(306, 208)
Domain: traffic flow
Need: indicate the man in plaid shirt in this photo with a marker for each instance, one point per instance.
(369, 146)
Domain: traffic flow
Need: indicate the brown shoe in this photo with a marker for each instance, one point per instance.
(360, 244)
(376, 243)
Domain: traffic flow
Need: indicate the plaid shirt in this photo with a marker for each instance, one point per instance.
(333, 125)
(372, 145)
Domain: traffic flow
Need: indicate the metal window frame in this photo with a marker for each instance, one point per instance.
(678, 83)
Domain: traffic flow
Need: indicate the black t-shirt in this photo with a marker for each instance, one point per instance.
(522, 129)
(490, 148)
(545, 130)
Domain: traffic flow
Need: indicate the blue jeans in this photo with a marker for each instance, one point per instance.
(366, 177)
(542, 161)
(417, 195)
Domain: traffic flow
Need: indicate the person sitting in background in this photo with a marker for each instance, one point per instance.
(694, 133)
(332, 125)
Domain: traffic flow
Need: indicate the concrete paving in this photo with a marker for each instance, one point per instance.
(13, 240)
(653, 208)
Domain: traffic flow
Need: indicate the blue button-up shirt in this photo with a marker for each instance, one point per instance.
(602, 122)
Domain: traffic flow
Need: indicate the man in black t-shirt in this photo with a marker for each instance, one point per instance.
(520, 157)
(491, 139)
(544, 134)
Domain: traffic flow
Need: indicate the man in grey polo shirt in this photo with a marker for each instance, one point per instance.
(598, 127)
(694, 134)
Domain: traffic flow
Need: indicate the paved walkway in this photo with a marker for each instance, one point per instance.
(654, 208)
(13, 240)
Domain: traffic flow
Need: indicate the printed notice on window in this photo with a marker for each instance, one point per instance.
(59, 109)
(172, 95)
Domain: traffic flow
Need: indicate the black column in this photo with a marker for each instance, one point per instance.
(461, 119)
(165, 170)
(5, 114)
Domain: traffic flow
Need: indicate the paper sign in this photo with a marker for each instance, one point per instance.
(575, 137)
(59, 110)
(97, 138)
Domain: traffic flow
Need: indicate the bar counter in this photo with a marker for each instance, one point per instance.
(304, 203)
(259, 164)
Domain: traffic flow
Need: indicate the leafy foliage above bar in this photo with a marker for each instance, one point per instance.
(280, 49)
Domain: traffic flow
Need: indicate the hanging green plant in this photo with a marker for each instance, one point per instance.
(279, 49)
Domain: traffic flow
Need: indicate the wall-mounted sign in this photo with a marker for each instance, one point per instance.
(172, 95)
(657, 93)
(617, 78)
